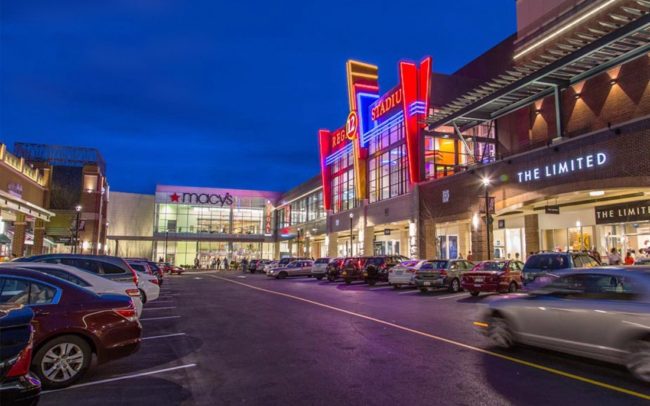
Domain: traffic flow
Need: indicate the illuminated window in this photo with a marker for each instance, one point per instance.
(388, 164)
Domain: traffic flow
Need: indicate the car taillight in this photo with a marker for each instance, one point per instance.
(154, 281)
(21, 366)
(126, 312)
(443, 272)
(133, 292)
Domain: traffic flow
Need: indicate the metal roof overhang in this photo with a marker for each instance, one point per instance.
(11, 202)
(570, 61)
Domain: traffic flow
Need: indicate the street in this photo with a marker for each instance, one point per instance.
(231, 338)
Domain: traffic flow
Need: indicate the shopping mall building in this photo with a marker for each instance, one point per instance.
(548, 132)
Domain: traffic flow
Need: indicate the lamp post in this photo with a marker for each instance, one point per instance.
(76, 228)
(488, 218)
(351, 236)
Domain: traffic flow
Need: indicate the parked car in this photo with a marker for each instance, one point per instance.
(148, 288)
(157, 271)
(442, 273)
(334, 269)
(270, 265)
(144, 267)
(168, 268)
(376, 268)
(86, 280)
(17, 385)
(493, 276)
(642, 261)
(403, 274)
(539, 265)
(353, 269)
(319, 270)
(600, 313)
(295, 268)
(114, 268)
(70, 324)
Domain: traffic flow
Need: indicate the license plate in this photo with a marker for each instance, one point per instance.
(344, 273)
(365, 274)
(399, 272)
(478, 279)
(427, 283)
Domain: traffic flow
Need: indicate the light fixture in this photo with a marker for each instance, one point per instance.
(612, 82)
(596, 193)
(578, 224)
(351, 215)
(577, 96)
(78, 207)
(475, 221)
(85, 245)
(486, 181)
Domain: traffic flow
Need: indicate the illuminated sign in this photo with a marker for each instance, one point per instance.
(268, 219)
(338, 138)
(203, 198)
(623, 212)
(352, 125)
(562, 168)
(387, 103)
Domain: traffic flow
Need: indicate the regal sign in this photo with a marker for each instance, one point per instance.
(387, 103)
(623, 212)
(203, 198)
(338, 138)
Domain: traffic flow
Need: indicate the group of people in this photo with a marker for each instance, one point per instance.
(615, 258)
(219, 263)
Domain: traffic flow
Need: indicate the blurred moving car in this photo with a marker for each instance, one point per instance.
(334, 269)
(319, 270)
(70, 324)
(403, 274)
(493, 276)
(85, 279)
(270, 265)
(376, 267)
(600, 313)
(539, 265)
(114, 268)
(352, 269)
(295, 268)
(252, 265)
(441, 273)
(17, 386)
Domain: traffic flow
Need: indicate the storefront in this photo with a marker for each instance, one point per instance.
(200, 225)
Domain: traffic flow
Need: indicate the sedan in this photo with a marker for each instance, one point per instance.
(599, 313)
(70, 324)
(403, 274)
(148, 287)
(493, 276)
(442, 273)
(295, 268)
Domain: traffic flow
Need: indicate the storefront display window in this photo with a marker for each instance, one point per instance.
(388, 164)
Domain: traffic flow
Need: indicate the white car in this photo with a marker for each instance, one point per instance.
(403, 274)
(148, 287)
(270, 265)
(84, 279)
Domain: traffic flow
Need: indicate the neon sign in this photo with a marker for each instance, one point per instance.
(562, 168)
(338, 138)
(387, 103)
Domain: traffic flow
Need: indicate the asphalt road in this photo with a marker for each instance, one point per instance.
(229, 338)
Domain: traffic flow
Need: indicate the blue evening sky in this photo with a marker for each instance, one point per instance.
(211, 92)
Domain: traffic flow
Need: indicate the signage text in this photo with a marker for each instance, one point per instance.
(562, 168)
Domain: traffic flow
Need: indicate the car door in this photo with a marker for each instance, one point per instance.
(39, 296)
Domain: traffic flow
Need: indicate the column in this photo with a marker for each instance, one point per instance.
(332, 246)
(18, 243)
(368, 241)
(427, 237)
(531, 231)
(39, 237)
(479, 241)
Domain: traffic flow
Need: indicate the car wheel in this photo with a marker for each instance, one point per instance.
(62, 361)
(143, 296)
(282, 275)
(499, 332)
(512, 288)
(320, 278)
(638, 360)
(347, 281)
(396, 287)
(474, 293)
(424, 290)
(371, 282)
(331, 278)
(454, 286)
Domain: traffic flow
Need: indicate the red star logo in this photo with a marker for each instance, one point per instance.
(175, 197)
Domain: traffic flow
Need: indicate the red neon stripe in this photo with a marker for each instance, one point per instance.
(324, 142)
(409, 83)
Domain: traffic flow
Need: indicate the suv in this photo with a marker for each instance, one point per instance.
(295, 268)
(113, 268)
(352, 269)
(319, 270)
(334, 268)
(442, 273)
(376, 268)
(539, 265)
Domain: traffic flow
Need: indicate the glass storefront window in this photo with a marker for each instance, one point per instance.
(388, 165)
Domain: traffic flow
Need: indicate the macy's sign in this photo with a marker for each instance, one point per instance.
(203, 198)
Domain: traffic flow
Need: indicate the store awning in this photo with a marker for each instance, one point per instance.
(17, 204)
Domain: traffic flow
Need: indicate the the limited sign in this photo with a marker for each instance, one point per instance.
(623, 212)
(387, 231)
(576, 164)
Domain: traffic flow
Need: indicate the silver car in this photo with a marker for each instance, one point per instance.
(295, 268)
(319, 270)
(601, 313)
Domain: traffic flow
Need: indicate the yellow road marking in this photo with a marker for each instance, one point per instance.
(448, 341)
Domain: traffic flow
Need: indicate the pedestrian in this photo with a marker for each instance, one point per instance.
(244, 263)
(629, 260)
(516, 256)
(470, 257)
(225, 263)
(460, 255)
(214, 263)
(196, 262)
(218, 262)
(614, 257)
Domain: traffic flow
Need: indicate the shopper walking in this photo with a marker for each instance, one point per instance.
(614, 257)
(218, 262)
(225, 263)
(629, 259)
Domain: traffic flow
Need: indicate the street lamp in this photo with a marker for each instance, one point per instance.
(351, 236)
(76, 227)
(488, 218)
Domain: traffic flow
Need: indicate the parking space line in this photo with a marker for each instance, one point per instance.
(452, 296)
(452, 342)
(119, 378)
(406, 292)
(163, 336)
(161, 318)
(380, 288)
(159, 308)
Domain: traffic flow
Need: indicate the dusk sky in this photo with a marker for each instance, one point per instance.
(214, 93)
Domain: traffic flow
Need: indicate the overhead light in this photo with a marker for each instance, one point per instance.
(597, 193)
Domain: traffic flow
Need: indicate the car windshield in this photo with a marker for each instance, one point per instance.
(491, 266)
(439, 264)
(410, 263)
(547, 262)
(322, 261)
(375, 261)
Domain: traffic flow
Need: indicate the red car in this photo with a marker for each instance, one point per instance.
(493, 276)
(171, 269)
(70, 324)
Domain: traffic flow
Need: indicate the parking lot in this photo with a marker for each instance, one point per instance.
(226, 338)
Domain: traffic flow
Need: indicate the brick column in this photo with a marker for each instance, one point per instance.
(427, 238)
(531, 230)
(18, 243)
(332, 248)
(39, 237)
(479, 242)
